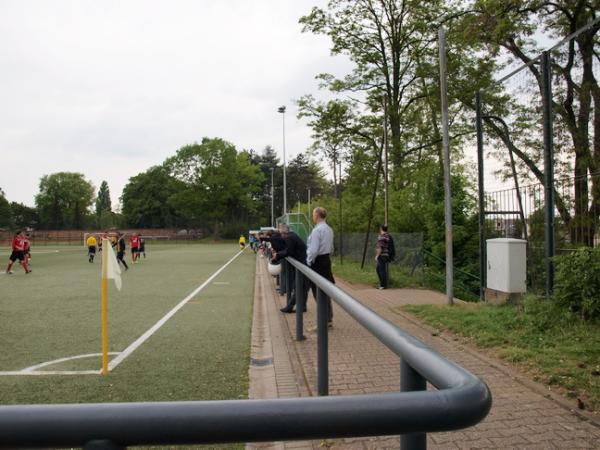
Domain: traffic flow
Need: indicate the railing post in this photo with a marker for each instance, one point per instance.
(411, 380)
(288, 285)
(322, 343)
(299, 292)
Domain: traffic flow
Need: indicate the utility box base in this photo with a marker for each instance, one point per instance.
(494, 297)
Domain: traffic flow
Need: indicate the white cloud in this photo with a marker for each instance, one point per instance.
(129, 82)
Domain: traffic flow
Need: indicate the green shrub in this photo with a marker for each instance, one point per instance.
(577, 284)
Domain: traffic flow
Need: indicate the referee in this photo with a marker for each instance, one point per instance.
(320, 246)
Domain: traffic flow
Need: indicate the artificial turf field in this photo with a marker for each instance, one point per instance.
(201, 353)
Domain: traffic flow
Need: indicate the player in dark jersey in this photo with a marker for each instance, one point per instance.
(121, 250)
(142, 247)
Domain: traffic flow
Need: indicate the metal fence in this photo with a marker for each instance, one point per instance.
(541, 119)
(460, 400)
(519, 213)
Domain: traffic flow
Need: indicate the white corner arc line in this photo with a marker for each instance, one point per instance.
(144, 337)
(52, 372)
(58, 361)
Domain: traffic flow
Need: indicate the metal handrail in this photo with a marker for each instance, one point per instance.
(461, 400)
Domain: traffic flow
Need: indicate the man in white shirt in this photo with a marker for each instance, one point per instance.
(319, 247)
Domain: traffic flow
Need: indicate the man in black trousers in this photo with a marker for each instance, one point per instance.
(296, 248)
(319, 249)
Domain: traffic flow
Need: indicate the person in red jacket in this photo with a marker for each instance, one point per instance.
(18, 252)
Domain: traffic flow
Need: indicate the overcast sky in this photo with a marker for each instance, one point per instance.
(109, 88)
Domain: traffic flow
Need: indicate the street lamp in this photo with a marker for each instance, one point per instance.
(281, 110)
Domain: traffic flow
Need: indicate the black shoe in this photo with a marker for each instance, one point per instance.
(287, 310)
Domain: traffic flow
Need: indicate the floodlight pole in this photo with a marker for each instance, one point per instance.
(281, 110)
(272, 199)
(446, 147)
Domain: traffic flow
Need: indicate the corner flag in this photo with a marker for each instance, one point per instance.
(113, 271)
(110, 269)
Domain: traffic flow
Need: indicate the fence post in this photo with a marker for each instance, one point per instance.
(548, 171)
(411, 380)
(480, 172)
(299, 292)
(322, 343)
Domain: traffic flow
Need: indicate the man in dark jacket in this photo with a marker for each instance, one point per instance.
(295, 248)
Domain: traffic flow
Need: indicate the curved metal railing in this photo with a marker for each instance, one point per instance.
(461, 400)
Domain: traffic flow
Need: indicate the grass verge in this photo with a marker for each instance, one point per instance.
(547, 342)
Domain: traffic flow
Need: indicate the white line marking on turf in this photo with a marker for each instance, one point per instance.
(53, 372)
(58, 361)
(33, 370)
(144, 337)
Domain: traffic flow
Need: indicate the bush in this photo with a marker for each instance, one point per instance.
(577, 284)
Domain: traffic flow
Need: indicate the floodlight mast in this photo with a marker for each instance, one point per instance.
(281, 110)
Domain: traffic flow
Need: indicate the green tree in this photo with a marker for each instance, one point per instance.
(221, 185)
(302, 175)
(64, 200)
(146, 199)
(269, 164)
(6, 216)
(24, 216)
(103, 206)
(500, 27)
(385, 39)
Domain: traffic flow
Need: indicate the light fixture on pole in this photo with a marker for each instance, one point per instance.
(281, 110)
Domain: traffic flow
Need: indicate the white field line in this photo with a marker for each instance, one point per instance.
(52, 372)
(33, 370)
(58, 361)
(42, 252)
(144, 337)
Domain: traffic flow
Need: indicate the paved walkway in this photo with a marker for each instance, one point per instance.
(524, 414)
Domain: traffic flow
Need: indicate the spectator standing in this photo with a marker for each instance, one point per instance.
(319, 249)
(382, 256)
(296, 248)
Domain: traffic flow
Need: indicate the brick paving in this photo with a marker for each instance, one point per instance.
(524, 415)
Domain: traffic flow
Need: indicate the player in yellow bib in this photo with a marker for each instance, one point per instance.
(91, 245)
(242, 241)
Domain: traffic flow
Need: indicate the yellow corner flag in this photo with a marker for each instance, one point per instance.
(110, 269)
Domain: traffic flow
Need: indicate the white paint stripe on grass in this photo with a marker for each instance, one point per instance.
(34, 370)
(144, 337)
(60, 360)
(52, 372)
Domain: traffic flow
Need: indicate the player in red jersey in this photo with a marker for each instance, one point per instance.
(134, 241)
(27, 250)
(18, 252)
